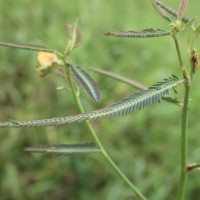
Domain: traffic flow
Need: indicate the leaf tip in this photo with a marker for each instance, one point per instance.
(107, 33)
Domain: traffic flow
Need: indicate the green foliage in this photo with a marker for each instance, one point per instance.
(146, 33)
(65, 149)
(169, 13)
(141, 142)
(87, 82)
(30, 47)
(133, 103)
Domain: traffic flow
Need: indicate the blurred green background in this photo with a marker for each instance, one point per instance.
(145, 145)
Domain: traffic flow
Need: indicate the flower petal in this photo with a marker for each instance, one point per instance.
(45, 58)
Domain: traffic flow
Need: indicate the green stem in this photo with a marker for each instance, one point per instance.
(184, 126)
(99, 144)
(183, 69)
(184, 146)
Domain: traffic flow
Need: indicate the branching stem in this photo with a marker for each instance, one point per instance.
(99, 144)
(184, 125)
(184, 146)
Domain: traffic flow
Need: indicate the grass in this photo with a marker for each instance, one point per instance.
(145, 144)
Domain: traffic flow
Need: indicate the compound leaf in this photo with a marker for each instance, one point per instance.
(65, 149)
(132, 83)
(135, 102)
(167, 12)
(146, 33)
(31, 47)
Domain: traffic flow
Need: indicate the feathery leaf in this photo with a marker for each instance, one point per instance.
(168, 12)
(162, 11)
(26, 46)
(146, 33)
(87, 82)
(132, 83)
(65, 149)
(133, 103)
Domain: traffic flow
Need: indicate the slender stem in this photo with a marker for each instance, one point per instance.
(99, 144)
(184, 146)
(178, 51)
(183, 69)
(121, 78)
(184, 126)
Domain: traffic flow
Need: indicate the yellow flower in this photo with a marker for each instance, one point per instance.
(48, 62)
(45, 58)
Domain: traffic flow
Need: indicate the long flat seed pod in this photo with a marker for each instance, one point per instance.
(86, 81)
(65, 149)
(146, 33)
(135, 102)
(30, 47)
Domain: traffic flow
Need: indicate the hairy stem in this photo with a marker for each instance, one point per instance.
(184, 126)
(99, 144)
